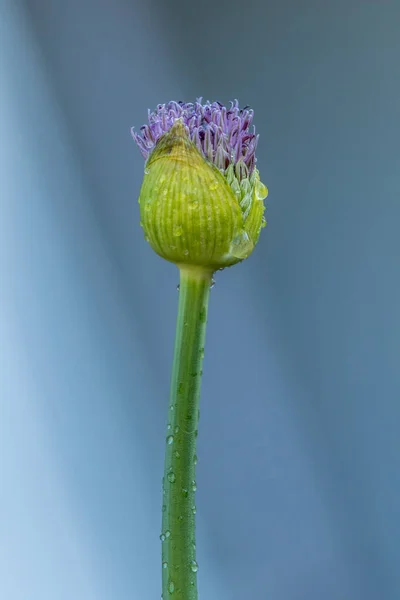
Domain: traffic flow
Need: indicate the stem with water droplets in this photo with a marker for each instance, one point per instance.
(179, 566)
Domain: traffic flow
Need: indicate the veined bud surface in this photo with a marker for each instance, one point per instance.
(201, 201)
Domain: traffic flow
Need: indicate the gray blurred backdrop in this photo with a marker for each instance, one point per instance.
(298, 473)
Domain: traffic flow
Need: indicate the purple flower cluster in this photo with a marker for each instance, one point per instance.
(222, 134)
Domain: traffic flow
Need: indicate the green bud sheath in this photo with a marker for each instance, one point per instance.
(189, 212)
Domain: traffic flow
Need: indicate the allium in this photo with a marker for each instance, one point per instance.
(201, 207)
(223, 135)
(226, 141)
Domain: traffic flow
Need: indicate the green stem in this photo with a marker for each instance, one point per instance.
(179, 566)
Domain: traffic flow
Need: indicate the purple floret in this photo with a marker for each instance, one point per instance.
(222, 134)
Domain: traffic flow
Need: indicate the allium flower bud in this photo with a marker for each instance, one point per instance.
(201, 201)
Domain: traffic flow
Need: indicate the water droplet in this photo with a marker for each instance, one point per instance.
(171, 587)
(186, 252)
(164, 565)
(195, 459)
(162, 537)
(176, 430)
(171, 477)
(167, 533)
(212, 284)
(170, 439)
(146, 170)
(261, 190)
(263, 222)
(178, 287)
(194, 510)
(177, 231)
(194, 566)
(169, 426)
(241, 246)
(194, 485)
(185, 492)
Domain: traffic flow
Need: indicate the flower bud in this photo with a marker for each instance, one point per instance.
(201, 201)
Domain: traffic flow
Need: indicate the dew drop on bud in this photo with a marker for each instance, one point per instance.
(212, 284)
(171, 477)
(162, 537)
(170, 439)
(261, 190)
(167, 533)
(164, 565)
(177, 231)
(171, 587)
(242, 246)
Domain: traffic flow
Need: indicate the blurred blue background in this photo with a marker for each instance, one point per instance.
(298, 474)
